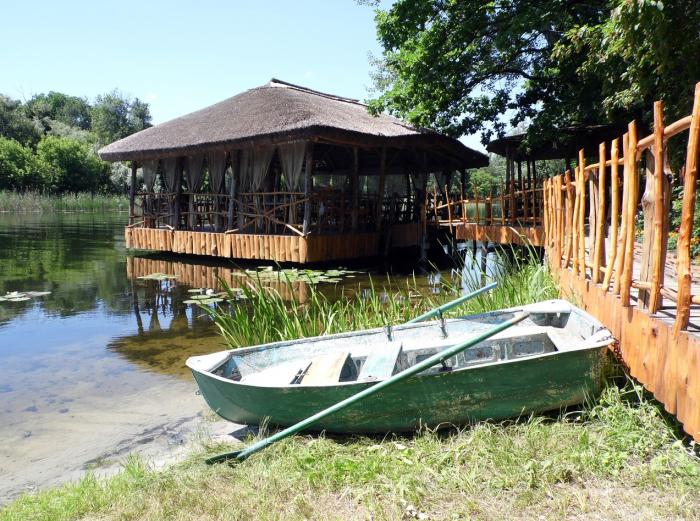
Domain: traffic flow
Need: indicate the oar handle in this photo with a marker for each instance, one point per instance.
(417, 368)
(456, 302)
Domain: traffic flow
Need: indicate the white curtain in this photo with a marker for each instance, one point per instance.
(216, 161)
(395, 184)
(292, 160)
(369, 184)
(194, 177)
(419, 181)
(150, 170)
(170, 167)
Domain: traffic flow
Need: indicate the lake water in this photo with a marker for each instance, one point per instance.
(95, 369)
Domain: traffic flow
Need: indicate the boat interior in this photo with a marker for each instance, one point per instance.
(376, 355)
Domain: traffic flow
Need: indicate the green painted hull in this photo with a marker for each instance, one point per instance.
(494, 391)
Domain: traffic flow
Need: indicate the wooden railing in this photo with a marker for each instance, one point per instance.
(596, 238)
(514, 208)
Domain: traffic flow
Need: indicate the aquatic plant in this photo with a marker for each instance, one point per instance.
(264, 316)
(69, 202)
(22, 296)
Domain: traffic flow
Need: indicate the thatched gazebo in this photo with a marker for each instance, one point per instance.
(281, 172)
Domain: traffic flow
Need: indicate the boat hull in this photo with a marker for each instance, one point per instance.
(494, 391)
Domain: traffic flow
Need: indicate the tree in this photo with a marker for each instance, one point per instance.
(14, 124)
(115, 116)
(56, 106)
(463, 66)
(72, 166)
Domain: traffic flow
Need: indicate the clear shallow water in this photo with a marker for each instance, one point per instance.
(100, 360)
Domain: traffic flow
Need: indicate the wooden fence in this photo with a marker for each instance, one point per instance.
(605, 242)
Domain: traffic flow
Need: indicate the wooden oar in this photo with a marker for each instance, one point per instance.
(351, 400)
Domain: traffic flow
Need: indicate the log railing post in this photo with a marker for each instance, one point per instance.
(622, 242)
(687, 216)
(600, 217)
(574, 221)
(659, 245)
(569, 217)
(582, 214)
(614, 212)
(235, 172)
(633, 181)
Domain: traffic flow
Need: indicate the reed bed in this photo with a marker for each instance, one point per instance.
(262, 315)
(18, 202)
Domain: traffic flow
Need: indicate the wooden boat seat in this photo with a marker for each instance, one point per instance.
(278, 375)
(327, 369)
(380, 363)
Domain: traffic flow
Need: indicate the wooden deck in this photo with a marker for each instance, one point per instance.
(495, 233)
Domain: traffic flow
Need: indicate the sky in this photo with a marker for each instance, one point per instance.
(183, 55)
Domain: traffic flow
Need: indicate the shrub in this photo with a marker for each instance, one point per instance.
(19, 169)
(72, 166)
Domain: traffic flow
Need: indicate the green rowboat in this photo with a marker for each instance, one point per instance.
(548, 361)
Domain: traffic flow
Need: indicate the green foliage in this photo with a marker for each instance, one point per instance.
(15, 125)
(58, 107)
(463, 66)
(33, 201)
(72, 166)
(263, 316)
(19, 168)
(115, 116)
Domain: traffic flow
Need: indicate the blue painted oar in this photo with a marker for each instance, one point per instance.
(407, 373)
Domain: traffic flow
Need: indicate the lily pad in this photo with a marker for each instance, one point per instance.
(157, 276)
(18, 299)
(203, 301)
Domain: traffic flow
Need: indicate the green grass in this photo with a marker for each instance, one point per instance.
(615, 459)
(70, 202)
(264, 316)
(619, 457)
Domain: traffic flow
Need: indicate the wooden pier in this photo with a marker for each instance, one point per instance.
(623, 269)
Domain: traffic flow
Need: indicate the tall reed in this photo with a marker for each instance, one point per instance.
(69, 202)
(262, 315)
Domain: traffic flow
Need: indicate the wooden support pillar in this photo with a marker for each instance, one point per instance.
(355, 188)
(614, 212)
(308, 174)
(660, 215)
(569, 218)
(382, 182)
(132, 192)
(622, 241)
(687, 216)
(599, 249)
(582, 214)
(235, 172)
(633, 181)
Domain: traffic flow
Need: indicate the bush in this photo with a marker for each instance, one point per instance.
(72, 166)
(19, 168)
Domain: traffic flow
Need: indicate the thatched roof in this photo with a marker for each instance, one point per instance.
(566, 144)
(279, 112)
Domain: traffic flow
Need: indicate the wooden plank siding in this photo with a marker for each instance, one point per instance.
(279, 248)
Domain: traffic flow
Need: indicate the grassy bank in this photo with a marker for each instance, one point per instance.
(71, 202)
(614, 458)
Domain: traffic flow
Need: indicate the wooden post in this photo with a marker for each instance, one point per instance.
(235, 172)
(582, 214)
(687, 216)
(382, 181)
(560, 217)
(633, 182)
(614, 212)
(569, 217)
(503, 204)
(449, 208)
(308, 174)
(621, 246)
(355, 188)
(574, 221)
(660, 216)
(132, 192)
(600, 218)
